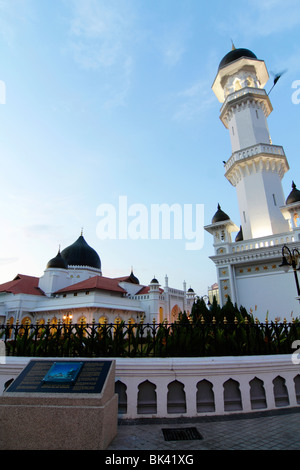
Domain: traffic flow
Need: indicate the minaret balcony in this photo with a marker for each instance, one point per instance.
(243, 97)
(257, 158)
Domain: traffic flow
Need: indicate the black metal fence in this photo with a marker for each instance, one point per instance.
(200, 339)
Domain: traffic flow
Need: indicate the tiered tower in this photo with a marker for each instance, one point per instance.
(256, 166)
(248, 267)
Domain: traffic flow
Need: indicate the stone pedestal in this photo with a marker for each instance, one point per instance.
(58, 420)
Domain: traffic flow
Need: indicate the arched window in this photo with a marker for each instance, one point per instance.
(257, 394)
(174, 313)
(281, 395)
(232, 396)
(297, 388)
(147, 403)
(120, 389)
(237, 84)
(176, 402)
(205, 396)
(161, 314)
(250, 82)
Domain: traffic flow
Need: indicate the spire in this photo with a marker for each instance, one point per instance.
(232, 46)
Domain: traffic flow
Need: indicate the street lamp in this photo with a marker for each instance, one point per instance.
(291, 258)
(67, 318)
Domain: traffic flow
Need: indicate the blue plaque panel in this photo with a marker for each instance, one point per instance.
(63, 372)
(62, 377)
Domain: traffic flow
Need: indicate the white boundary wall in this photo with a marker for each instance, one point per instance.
(157, 374)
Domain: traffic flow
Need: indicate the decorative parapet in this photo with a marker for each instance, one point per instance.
(255, 159)
(191, 387)
(245, 97)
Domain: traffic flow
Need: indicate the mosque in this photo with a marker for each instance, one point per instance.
(73, 288)
(250, 266)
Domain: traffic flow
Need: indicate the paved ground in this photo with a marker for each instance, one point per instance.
(276, 430)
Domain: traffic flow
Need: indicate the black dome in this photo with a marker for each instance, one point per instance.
(57, 262)
(133, 278)
(239, 236)
(236, 54)
(81, 254)
(154, 281)
(294, 195)
(219, 216)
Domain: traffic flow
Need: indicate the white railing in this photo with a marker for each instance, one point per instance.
(257, 149)
(191, 387)
(263, 242)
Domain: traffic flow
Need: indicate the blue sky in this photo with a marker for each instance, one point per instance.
(110, 98)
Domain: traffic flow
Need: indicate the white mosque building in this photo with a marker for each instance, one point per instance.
(73, 288)
(249, 267)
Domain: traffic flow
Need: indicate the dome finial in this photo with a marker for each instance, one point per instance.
(81, 231)
(232, 46)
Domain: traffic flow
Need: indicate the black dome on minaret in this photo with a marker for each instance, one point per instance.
(219, 216)
(236, 54)
(294, 195)
(57, 262)
(81, 254)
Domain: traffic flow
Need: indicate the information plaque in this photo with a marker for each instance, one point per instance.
(63, 372)
(61, 377)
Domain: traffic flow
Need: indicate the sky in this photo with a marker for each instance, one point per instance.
(110, 101)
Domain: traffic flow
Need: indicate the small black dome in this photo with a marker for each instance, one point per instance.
(57, 262)
(190, 290)
(239, 236)
(133, 278)
(154, 281)
(81, 254)
(236, 54)
(294, 195)
(219, 216)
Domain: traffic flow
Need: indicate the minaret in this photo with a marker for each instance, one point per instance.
(256, 166)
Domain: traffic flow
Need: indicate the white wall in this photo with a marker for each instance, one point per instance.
(274, 293)
(189, 372)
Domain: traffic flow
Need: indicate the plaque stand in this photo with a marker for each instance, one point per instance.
(38, 413)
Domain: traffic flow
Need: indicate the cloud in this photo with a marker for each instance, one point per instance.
(100, 38)
(194, 101)
(257, 18)
(99, 32)
(171, 44)
(13, 15)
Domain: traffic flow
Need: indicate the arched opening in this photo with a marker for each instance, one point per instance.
(120, 389)
(257, 394)
(174, 313)
(161, 314)
(232, 396)
(205, 396)
(297, 388)
(176, 401)
(281, 395)
(237, 84)
(147, 403)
